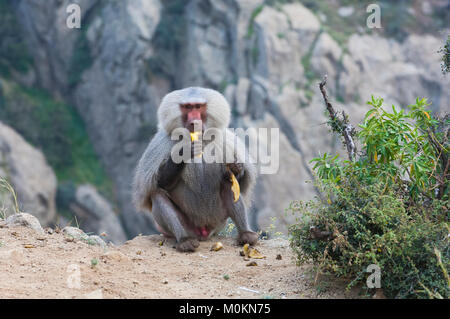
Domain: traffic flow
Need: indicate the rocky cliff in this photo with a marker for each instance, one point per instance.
(265, 56)
(29, 174)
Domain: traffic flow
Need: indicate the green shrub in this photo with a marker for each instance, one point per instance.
(446, 56)
(388, 207)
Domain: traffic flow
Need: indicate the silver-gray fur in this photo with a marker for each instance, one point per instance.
(197, 199)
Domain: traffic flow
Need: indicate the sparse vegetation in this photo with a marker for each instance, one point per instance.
(255, 13)
(9, 192)
(229, 230)
(94, 262)
(269, 232)
(58, 130)
(446, 56)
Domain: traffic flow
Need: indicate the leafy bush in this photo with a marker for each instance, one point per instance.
(446, 56)
(387, 207)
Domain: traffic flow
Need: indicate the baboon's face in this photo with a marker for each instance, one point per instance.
(194, 116)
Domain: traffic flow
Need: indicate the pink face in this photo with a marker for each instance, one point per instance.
(193, 113)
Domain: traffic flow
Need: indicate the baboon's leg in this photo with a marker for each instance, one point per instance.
(170, 219)
(238, 213)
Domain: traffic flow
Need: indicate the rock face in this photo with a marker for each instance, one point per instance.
(73, 233)
(95, 214)
(26, 220)
(29, 174)
(267, 61)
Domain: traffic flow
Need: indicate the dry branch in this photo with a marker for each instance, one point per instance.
(342, 125)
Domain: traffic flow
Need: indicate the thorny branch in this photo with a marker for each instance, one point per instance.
(341, 126)
(442, 155)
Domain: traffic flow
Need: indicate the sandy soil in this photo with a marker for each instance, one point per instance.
(50, 266)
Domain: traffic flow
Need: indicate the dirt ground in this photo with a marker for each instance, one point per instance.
(49, 266)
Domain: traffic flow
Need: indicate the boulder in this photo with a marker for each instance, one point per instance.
(76, 234)
(95, 214)
(29, 174)
(25, 220)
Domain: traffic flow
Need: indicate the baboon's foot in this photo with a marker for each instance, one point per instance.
(187, 245)
(247, 237)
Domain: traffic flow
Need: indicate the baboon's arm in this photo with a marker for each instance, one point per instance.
(168, 174)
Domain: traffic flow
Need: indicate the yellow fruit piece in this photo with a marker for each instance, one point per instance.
(251, 252)
(217, 246)
(246, 249)
(194, 136)
(235, 188)
(254, 253)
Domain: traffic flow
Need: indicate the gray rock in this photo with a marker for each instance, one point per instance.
(325, 59)
(51, 41)
(96, 215)
(26, 220)
(29, 174)
(242, 92)
(346, 11)
(74, 233)
(96, 240)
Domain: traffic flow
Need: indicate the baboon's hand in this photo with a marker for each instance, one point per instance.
(187, 245)
(237, 169)
(247, 237)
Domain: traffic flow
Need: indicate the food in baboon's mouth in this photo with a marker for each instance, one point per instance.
(194, 136)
